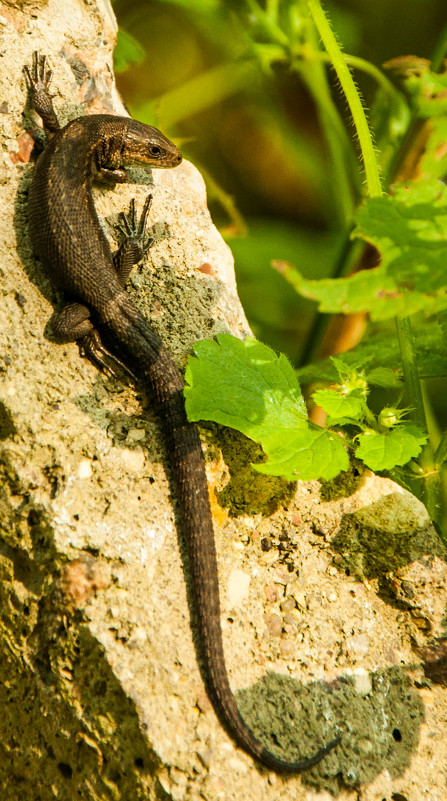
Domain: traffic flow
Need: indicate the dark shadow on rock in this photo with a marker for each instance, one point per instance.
(370, 552)
(67, 727)
(249, 492)
(379, 726)
(343, 485)
(78, 737)
(7, 427)
(434, 661)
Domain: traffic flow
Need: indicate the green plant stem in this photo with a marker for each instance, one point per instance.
(352, 96)
(411, 374)
(413, 386)
(430, 492)
(428, 486)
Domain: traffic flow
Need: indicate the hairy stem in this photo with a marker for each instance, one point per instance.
(352, 96)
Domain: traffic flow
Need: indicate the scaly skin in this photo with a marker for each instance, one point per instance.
(69, 241)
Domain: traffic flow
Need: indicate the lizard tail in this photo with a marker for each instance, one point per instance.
(152, 362)
(188, 469)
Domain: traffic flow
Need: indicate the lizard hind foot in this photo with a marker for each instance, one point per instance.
(91, 347)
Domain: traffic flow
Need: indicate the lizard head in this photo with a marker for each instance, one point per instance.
(143, 144)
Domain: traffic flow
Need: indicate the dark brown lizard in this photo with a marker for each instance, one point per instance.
(69, 241)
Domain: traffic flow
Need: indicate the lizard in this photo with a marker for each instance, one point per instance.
(67, 238)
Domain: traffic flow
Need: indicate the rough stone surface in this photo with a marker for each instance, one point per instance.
(323, 600)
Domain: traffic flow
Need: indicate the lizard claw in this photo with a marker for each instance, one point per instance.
(38, 78)
(91, 347)
(134, 231)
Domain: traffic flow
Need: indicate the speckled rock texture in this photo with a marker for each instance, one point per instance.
(333, 598)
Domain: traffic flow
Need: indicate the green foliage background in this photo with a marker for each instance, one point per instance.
(255, 129)
(248, 91)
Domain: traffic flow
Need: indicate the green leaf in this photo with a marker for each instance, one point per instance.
(409, 229)
(383, 451)
(341, 406)
(246, 386)
(342, 295)
(383, 377)
(305, 454)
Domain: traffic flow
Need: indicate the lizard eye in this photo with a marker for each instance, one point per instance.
(155, 150)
